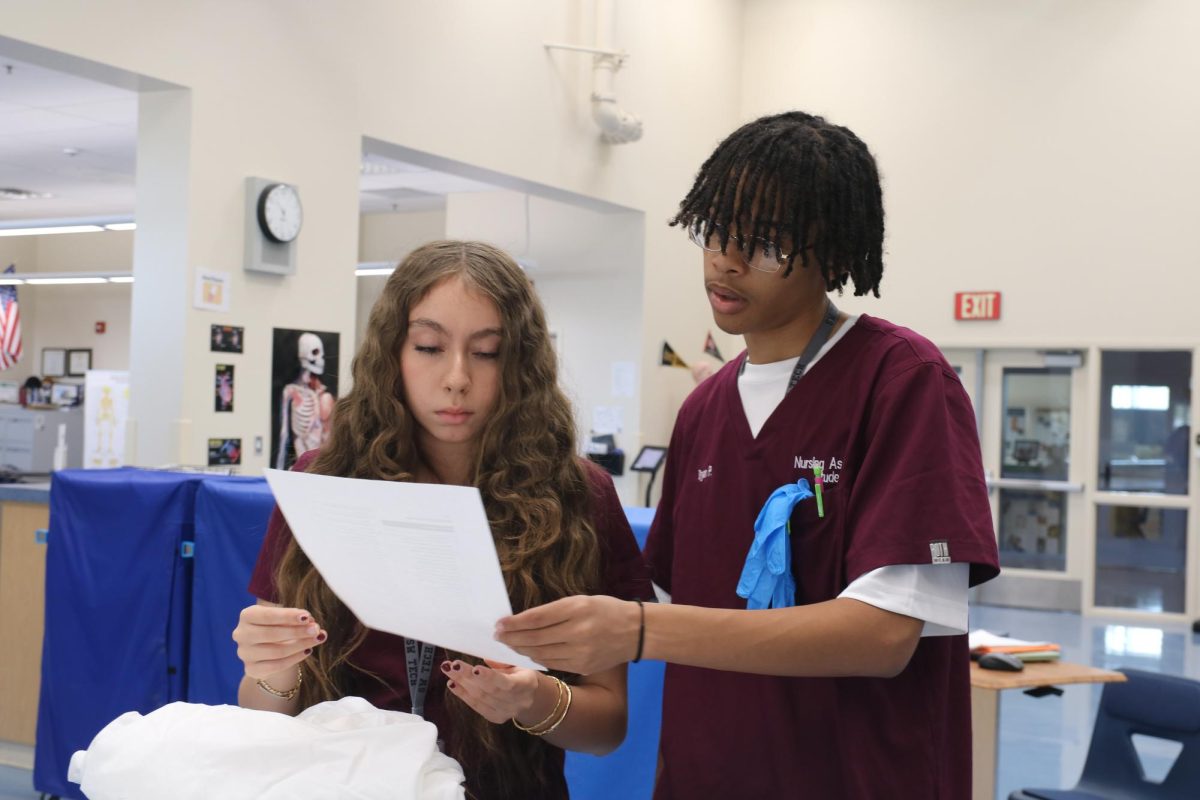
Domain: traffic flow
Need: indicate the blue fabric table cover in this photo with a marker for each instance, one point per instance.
(117, 604)
(231, 521)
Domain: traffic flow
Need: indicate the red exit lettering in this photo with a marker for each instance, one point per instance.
(977, 305)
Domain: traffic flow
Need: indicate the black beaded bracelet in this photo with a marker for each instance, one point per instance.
(641, 631)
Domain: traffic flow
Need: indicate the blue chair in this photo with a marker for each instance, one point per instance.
(1161, 706)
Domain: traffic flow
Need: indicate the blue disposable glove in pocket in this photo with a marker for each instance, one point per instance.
(767, 580)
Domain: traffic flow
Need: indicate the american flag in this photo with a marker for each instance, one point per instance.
(10, 324)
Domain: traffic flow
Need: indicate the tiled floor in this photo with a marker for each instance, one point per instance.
(1043, 741)
(16, 784)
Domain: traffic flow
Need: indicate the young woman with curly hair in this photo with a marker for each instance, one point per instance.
(456, 382)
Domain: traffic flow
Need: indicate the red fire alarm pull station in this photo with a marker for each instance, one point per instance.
(976, 305)
(101, 326)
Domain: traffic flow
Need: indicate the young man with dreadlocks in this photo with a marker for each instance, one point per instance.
(823, 513)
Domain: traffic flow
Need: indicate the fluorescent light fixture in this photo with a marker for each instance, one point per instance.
(374, 268)
(50, 229)
(63, 278)
(63, 281)
(49, 225)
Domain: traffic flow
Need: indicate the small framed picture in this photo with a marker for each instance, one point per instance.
(79, 362)
(224, 451)
(226, 339)
(54, 362)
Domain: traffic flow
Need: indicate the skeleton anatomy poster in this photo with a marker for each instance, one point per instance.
(303, 389)
(106, 410)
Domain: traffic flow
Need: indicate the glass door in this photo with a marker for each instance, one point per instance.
(1034, 452)
(1143, 475)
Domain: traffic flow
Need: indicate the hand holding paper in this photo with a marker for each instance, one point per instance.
(413, 559)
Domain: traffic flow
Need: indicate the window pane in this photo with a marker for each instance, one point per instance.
(1144, 421)
(1031, 529)
(1037, 423)
(1141, 555)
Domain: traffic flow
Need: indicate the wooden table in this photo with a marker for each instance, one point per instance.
(986, 685)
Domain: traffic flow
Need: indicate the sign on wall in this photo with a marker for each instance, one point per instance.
(976, 305)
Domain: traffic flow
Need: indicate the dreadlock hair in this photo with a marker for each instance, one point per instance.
(534, 490)
(794, 175)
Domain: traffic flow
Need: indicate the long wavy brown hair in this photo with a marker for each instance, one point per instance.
(534, 489)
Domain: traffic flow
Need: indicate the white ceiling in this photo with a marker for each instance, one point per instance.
(43, 114)
(75, 140)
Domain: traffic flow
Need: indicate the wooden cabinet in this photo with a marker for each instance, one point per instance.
(22, 599)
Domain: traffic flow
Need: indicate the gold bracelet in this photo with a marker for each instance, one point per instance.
(550, 716)
(290, 693)
(558, 721)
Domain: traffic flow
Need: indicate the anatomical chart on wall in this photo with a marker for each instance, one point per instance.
(223, 388)
(304, 374)
(106, 410)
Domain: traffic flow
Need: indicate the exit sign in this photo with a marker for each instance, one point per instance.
(977, 305)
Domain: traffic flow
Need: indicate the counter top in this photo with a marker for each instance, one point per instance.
(25, 492)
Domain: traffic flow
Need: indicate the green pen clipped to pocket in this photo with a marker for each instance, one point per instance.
(818, 483)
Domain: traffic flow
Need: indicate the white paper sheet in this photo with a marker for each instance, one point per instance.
(982, 638)
(413, 559)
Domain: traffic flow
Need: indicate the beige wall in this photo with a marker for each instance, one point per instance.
(389, 237)
(1046, 150)
(286, 92)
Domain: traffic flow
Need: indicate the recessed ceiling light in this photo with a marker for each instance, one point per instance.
(10, 193)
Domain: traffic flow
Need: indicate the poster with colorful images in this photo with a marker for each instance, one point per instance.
(105, 412)
(304, 386)
(224, 451)
(223, 396)
(226, 339)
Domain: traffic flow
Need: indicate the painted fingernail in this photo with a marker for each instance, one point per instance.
(476, 670)
(322, 636)
(308, 652)
(303, 618)
(450, 684)
(445, 666)
(456, 667)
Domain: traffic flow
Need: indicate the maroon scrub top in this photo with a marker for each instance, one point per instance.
(887, 419)
(624, 575)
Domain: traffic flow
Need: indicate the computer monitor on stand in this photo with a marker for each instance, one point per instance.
(649, 459)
